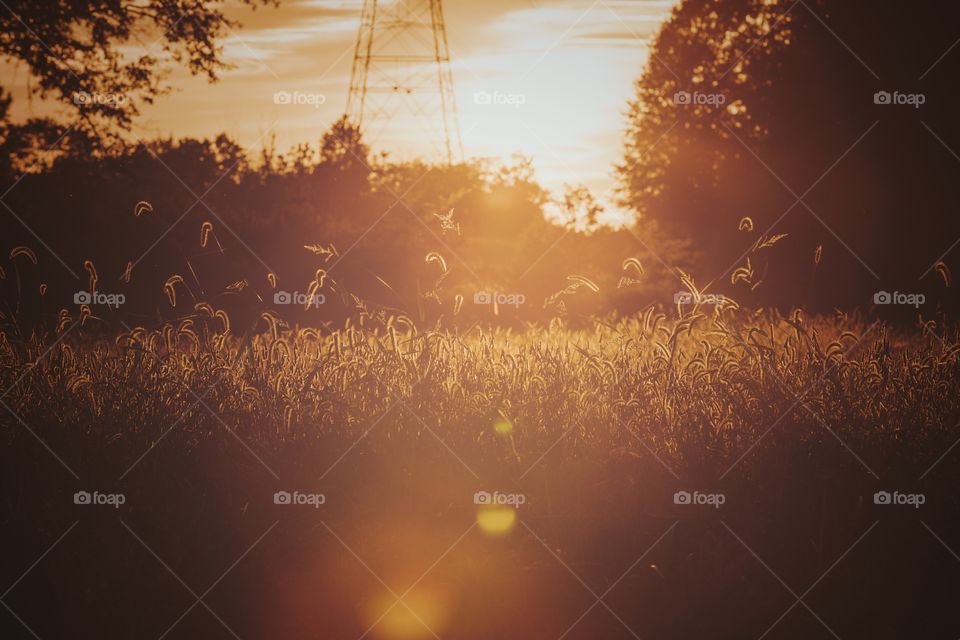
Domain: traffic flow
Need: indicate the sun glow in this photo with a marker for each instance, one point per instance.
(557, 76)
(496, 520)
(420, 614)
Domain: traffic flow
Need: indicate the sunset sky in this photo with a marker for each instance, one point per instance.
(572, 62)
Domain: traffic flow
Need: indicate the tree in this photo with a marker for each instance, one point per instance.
(345, 157)
(579, 206)
(766, 109)
(343, 146)
(697, 96)
(78, 55)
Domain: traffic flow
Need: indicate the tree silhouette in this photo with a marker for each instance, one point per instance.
(766, 110)
(78, 54)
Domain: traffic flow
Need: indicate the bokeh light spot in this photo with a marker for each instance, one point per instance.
(420, 615)
(496, 520)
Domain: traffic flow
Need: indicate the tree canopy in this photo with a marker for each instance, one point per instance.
(102, 60)
(803, 118)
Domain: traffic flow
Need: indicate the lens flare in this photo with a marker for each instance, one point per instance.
(496, 520)
(420, 615)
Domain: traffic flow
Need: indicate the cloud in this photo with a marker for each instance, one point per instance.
(294, 13)
(622, 38)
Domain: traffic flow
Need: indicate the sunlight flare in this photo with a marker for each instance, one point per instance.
(496, 520)
(420, 614)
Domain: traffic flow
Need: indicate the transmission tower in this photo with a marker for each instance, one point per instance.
(401, 78)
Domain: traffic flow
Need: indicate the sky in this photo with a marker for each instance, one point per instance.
(549, 79)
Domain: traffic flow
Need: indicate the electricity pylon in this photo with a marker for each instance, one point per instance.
(401, 80)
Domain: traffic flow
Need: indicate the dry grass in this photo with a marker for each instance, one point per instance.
(697, 391)
(796, 420)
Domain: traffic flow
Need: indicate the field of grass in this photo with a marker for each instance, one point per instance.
(784, 428)
(395, 380)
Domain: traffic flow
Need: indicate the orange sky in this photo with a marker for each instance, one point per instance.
(569, 66)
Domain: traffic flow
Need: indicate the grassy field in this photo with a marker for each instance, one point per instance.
(621, 322)
(780, 429)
